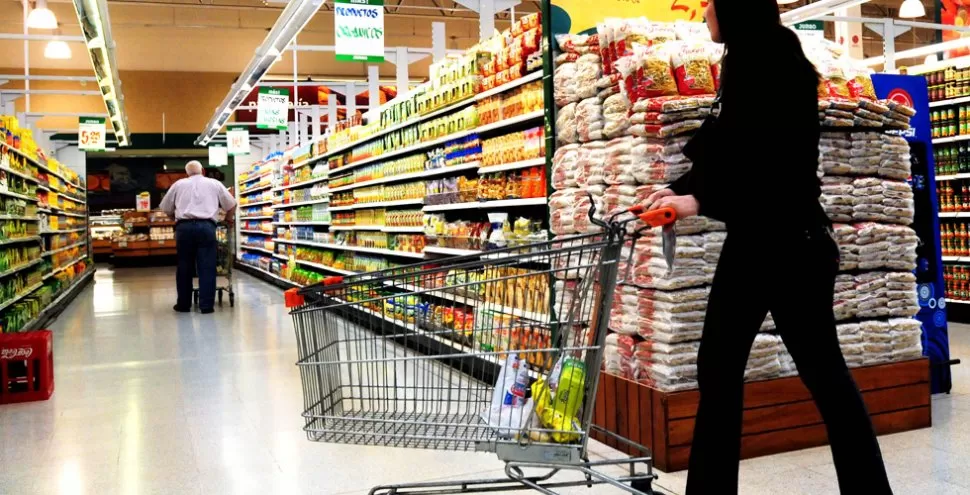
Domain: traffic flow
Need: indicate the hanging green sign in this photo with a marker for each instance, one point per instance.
(359, 30)
(272, 108)
(237, 139)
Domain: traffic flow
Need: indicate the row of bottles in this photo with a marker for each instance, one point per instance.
(957, 281)
(952, 158)
(955, 239)
(953, 196)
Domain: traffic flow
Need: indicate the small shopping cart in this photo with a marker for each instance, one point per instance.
(225, 255)
(499, 352)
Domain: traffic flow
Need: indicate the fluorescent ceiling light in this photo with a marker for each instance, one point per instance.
(922, 51)
(786, 2)
(911, 9)
(818, 9)
(290, 22)
(96, 29)
(57, 50)
(41, 17)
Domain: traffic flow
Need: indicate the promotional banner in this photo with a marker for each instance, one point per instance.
(218, 155)
(955, 13)
(272, 108)
(581, 16)
(359, 30)
(237, 137)
(912, 91)
(91, 132)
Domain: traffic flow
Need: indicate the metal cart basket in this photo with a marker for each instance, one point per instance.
(494, 353)
(225, 255)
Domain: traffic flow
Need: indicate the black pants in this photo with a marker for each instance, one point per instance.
(792, 276)
(195, 245)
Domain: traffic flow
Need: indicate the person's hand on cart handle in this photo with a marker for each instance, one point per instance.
(685, 206)
(653, 198)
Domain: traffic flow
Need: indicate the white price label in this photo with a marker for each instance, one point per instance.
(91, 133)
(272, 108)
(218, 155)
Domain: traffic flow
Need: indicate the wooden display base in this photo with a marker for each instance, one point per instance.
(779, 415)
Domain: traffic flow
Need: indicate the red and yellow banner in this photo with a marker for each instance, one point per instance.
(578, 16)
(955, 13)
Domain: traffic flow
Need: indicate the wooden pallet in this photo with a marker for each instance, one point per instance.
(779, 415)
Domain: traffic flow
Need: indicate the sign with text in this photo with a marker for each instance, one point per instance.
(238, 140)
(359, 30)
(218, 155)
(814, 29)
(91, 133)
(272, 108)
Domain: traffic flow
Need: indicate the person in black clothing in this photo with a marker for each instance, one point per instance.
(755, 168)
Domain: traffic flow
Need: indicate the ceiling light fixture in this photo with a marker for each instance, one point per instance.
(290, 22)
(817, 9)
(57, 50)
(911, 9)
(786, 2)
(96, 29)
(922, 51)
(41, 17)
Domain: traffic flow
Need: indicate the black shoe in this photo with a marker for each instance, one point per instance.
(207, 311)
(180, 309)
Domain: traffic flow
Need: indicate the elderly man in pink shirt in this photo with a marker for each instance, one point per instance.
(194, 202)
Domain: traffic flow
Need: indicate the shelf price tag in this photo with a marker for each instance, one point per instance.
(272, 108)
(359, 30)
(91, 133)
(238, 139)
(218, 155)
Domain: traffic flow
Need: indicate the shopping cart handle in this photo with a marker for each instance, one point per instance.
(333, 280)
(293, 298)
(658, 217)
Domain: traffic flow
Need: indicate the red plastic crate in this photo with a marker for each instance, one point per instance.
(26, 366)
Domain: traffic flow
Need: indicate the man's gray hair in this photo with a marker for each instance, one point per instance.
(193, 168)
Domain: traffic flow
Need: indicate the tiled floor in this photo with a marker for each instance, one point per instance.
(149, 401)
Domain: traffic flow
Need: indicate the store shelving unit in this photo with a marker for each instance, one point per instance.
(60, 238)
(283, 244)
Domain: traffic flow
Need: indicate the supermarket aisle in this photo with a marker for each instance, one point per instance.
(150, 401)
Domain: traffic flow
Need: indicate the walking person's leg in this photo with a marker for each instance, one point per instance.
(206, 259)
(734, 315)
(185, 249)
(807, 325)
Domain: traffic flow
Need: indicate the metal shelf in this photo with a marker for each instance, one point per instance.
(304, 183)
(379, 204)
(21, 267)
(251, 248)
(65, 248)
(487, 204)
(951, 101)
(310, 223)
(301, 203)
(255, 189)
(450, 251)
(413, 175)
(536, 162)
(254, 232)
(19, 196)
(952, 139)
(64, 231)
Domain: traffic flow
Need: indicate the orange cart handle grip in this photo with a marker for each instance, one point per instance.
(658, 217)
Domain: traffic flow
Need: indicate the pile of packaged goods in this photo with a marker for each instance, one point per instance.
(167, 233)
(384, 192)
(514, 147)
(513, 184)
(951, 159)
(498, 233)
(519, 101)
(953, 196)
(408, 243)
(847, 97)
(298, 233)
(250, 212)
(319, 212)
(957, 280)
(298, 176)
(629, 97)
(403, 218)
(317, 191)
(954, 121)
(256, 241)
(451, 190)
(17, 229)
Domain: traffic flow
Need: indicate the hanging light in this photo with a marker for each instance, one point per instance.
(911, 9)
(41, 17)
(57, 50)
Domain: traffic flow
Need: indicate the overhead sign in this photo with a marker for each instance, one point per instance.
(359, 29)
(814, 29)
(238, 139)
(581, 16)
(218, 155)
(91, 133)
(272, 108)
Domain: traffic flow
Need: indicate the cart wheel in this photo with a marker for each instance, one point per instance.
(232, 300)
(645, 486)
(220, 297)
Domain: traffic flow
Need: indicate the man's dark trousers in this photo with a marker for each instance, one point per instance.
(195, 244)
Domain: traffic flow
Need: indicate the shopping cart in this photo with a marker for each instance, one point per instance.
(225, 254)
(495, 353)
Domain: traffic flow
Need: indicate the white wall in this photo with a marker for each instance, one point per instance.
(74, 159)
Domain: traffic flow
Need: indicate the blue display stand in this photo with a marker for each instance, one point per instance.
(912, 91)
